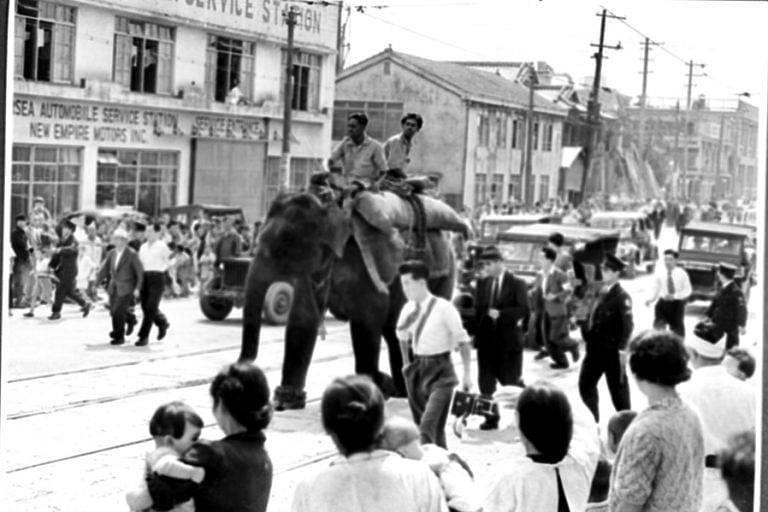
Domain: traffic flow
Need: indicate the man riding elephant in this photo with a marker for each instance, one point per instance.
(358, 161)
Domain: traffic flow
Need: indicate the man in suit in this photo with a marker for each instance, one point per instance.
(123, 268)
(64, 263)
(21, 261)
(563, 258)
(728, 309)
(501, 300)
(550, 302)
(606, 332)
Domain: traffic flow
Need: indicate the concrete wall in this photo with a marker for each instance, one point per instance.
(439, 147)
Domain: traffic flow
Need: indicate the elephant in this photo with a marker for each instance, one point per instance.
(313, 244)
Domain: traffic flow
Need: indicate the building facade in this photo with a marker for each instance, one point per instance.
(721, 141)
(473, 140)
(148, 104)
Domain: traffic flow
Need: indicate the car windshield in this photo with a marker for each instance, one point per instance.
(612, 223)
(710, 243)
(491, 228)
(519, 251)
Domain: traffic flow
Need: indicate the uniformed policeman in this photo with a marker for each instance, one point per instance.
(729, 308)
(606, 332)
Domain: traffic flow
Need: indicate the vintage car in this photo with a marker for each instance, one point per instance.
(225, 290)
(492, 225)
(115, 214)
(703, 245)
(636, 246)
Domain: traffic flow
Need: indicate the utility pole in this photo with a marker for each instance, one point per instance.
(339, 40)
(285, 158)
(677, 150)
(644, 96)
(685, 128)
(716, 192)
(528, 174)
(593, 106)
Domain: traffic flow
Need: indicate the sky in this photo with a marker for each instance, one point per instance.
(728, 37)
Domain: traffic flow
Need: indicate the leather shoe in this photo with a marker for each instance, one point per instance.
(541, 355)
(559, 366)
(29, 314)
(86, 309)
(142, 342)
(54, 316)
(129, 328)
(118, 341)
(576, 353)
(162, 331)
(490, 423)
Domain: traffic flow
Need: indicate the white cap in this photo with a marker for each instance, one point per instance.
(120, 233)
(706, 349)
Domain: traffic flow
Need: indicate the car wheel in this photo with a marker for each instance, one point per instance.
(277, 303)
(214, 308)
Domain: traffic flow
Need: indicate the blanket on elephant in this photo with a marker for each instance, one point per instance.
(383, 254)
(385, 211)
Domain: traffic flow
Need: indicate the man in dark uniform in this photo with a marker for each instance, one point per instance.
(138, 236)
(729, 308)
(21, 261)
(606, 332)
(501, 301)
(64, 261)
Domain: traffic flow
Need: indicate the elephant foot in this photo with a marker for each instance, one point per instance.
(288, 397)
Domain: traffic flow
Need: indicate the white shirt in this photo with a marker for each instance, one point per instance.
(522, 485)
(680, 279)
(726, 405)
(442, 331)
(379, 481)
(118, 255)
(155, 256)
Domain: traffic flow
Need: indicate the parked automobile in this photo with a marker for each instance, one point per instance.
(191, 212)
(492, 225)
(127, 214)
(704, 245)
(636, 245)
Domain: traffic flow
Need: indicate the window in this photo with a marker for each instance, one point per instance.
(47, 171)
(497, 188)
(229, 64)
(483, 130)
(144, 180)
(543, 188)
(518, 133)
(535, 135)
(501, 130)
(383, 117)
(480, 189)
(143, 59)
(45, 41)
(546, 144)
(306, 80)
(514, 188)
(301, 170)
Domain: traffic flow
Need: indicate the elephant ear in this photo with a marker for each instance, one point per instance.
(338, 229)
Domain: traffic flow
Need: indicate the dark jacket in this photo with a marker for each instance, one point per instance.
(513, 306)
(230, 245)
(127, 277)
(612, 322)
(64, 260)
(238, 477)
(728, 309)
(558, 284)
(20, 245)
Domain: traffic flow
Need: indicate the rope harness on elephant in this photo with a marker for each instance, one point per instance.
(417, 247)
(325, 281)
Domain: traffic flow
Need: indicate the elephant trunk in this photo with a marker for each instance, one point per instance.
(257, 283)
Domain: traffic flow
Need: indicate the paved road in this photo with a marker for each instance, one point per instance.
(77, 408)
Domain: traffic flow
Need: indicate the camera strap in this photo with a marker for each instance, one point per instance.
(422, 321)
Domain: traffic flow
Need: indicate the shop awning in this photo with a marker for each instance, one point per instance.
(570, 154)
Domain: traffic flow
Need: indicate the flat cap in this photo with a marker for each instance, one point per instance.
(613, 262)
(491, 253)
(728, 270)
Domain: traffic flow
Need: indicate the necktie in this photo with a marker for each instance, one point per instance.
(494, 292)
(670, 283)
(410, 319)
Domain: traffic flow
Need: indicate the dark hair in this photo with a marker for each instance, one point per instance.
(549, 253)
(352, 408)
(157, 227)
(172, 223)
(746, 360)
(359, 117)
(600, 482)
(416, 117)
(672, 253)
(546, 419)
(171, 420)
(139, 227)
(21, 216)
(416, 268)
(737, 465)
(556, 239)
(659, 357)
(619, 423)
(243, 389)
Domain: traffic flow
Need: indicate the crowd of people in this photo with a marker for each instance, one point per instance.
(72, 257)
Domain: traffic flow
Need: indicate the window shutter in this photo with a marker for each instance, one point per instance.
(314, 82)
(18, 66)
(246, 76)
(210, 73)
(165, 67)
(63, 42)
(122, 71)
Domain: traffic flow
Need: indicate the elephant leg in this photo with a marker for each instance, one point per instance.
(300, 338)
(366, 345)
